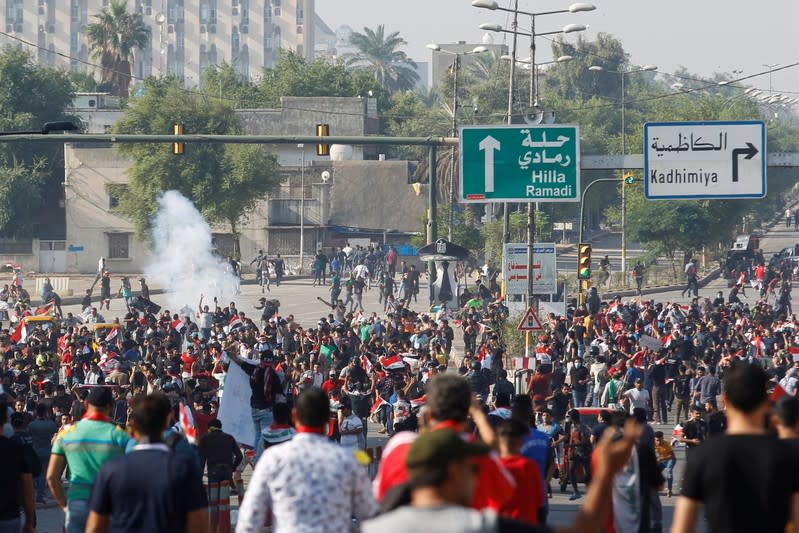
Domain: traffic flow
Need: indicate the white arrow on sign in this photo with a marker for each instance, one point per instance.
(489, 144)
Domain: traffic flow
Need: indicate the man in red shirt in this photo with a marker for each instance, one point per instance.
(529, 495)
(449, 405)
(188, 358)
(331, 383)
(540, 386)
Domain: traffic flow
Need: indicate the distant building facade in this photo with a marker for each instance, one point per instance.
(186, 36)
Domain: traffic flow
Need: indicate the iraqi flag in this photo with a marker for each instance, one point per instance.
(367, 364)
(112, 336)
(187, 424)
(793, 349)
(377, 405)
(20, 333)
(179, 326)
(757, 343)
(393, 362)
(667, 341)
(235, 322)
(419, 402)
(44, 309)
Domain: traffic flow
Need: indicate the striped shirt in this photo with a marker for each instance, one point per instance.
(86, 446)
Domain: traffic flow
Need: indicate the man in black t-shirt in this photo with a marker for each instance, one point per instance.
(694, 431)
(152, 488)
(16, 484)
(746, 478)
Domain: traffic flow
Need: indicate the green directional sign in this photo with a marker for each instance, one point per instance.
(520, 163)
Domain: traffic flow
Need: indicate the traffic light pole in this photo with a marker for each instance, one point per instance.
(582, 202)
(580, 233)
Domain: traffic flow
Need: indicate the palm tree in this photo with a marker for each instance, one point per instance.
(113, 38)
(378, 54)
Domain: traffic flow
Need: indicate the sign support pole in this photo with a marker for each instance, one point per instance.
(432, 228)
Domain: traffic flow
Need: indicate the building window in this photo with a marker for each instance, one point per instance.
(300, 13)
(234, 42)
(118, 245)
(115, 192)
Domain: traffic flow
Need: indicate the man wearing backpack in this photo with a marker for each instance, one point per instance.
(613, 391)
(579, 450)
(265, 385)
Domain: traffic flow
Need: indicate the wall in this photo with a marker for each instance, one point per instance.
(375, 195)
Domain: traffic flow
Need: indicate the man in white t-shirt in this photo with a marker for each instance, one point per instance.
(638, 396)
(350, 426)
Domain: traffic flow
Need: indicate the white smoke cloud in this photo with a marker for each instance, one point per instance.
(182, 259)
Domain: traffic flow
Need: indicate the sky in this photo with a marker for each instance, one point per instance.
(705, 36)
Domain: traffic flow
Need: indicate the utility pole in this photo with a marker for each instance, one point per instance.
(514, 26)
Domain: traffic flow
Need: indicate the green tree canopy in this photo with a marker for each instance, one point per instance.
(112, 38)
(379, 55)
(225, 182)
(30, 174)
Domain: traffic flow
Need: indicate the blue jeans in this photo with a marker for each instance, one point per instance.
(11, 526)
(667, 467)
(578, 398)
(41, 483)
(261, 419)
(77, 516)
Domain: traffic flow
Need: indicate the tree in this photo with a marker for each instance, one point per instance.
(112, 39)
(224, 181)
(226, 82)
(30, 174)
(293, 75)
(378, 54)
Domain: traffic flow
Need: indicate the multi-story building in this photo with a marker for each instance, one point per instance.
(187, 36)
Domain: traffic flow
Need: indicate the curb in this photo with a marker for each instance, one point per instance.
(710, 276)
(75, 300)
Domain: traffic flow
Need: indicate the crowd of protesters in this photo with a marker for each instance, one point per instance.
(150, 384)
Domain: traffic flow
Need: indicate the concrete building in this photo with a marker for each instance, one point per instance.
(187, 36)
(345, 201)
(97, 111)
(337, 199)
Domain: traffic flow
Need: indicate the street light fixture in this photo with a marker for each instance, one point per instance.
(577, 7)
(622, 74)
(568, 28)
(535, 113)
(454, 131)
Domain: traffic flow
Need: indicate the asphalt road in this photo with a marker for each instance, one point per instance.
(298, 297)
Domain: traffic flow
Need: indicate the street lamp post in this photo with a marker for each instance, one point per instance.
(456, 66)
(302, 208)
(533, 110)
(622, 74)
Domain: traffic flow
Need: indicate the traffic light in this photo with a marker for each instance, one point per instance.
(583, 261)
(178, 148)
(322, 130)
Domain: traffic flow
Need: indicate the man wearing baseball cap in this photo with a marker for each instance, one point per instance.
(442, 472)
(84, 447)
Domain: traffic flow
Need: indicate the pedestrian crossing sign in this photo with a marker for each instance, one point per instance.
(530, 321)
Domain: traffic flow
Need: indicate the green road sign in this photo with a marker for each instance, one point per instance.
(520, 163)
